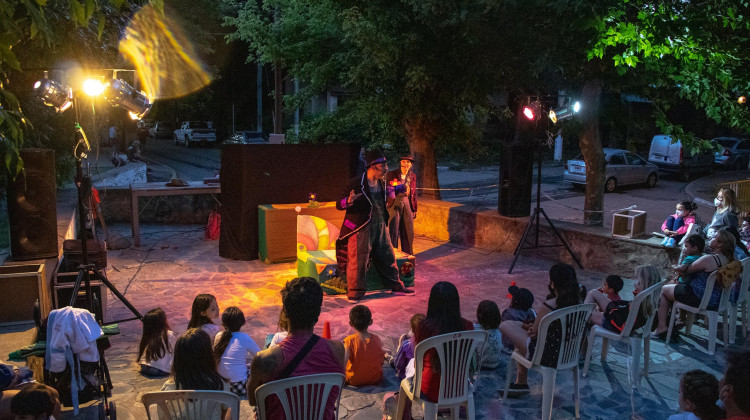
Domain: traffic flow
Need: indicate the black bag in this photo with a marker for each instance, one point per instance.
(61, 382)
(615, 315)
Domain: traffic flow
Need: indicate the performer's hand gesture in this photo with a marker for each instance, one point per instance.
(351, 198)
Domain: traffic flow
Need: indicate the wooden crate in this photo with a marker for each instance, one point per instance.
(63, 290)
(20, 286)
(628, 224)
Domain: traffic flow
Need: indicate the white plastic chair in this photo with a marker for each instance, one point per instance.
(302, 397)
(633, 337)
(191, 405)
(711, 315)
(573, 320)
(741, 304)
(455, 352)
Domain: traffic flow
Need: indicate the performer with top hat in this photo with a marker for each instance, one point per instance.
(403, 209)
(364, 233)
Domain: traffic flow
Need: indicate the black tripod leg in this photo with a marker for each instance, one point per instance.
(534, 217)
(570, 251)
(76, 286)
(117, 293)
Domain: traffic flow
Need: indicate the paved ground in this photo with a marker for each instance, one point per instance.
(175, 263)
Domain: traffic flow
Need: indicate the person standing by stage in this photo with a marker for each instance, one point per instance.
(364, 233)
(403, 209)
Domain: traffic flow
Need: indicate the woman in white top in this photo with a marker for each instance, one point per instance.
(155, 353)
(234, 350)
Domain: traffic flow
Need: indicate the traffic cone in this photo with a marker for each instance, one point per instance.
(327, 330)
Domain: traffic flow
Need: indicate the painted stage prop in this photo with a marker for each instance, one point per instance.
(316, 257)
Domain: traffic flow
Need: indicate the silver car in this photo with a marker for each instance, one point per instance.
(622, 168)
(732, 152)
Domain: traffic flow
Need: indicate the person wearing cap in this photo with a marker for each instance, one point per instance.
(402, 210)
(364, 233)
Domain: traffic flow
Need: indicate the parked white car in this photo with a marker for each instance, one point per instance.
(622, 168)
(191, 133)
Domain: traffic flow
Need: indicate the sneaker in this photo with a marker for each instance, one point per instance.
(515, 390)
(665, 240)
(354, 299)
(399, 288)
(670, 243)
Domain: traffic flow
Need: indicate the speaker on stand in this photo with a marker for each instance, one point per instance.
(516, 165)
(32, 207)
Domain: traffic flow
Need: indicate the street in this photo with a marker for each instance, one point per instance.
(473, 187)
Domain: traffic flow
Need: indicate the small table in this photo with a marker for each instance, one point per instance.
(151, 189)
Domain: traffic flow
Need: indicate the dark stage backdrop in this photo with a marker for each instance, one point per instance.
(255, 174)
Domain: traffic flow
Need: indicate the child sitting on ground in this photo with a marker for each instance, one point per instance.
(676, 225)
(204, 314)
(692, 249)
(609, 292)
(405, 350)
(519, 310)
(155, 353)
(699, 391)
(364, 351)
(488, 319)
(282, 331)
(234, 350)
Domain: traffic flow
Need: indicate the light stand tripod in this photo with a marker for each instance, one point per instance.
(535, 219)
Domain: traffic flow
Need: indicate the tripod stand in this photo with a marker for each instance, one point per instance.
(534, 219)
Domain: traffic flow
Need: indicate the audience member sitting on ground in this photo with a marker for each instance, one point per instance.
(204, 314)
(364, 350)
(699, 392)
(734, 388)
(609, 292)
(519, 310)
(488, 319)
(676, 225)
(405, 351)
(691, 292)
(282, 330)
(692, 249)
(234, 350)
(564, 288)
(616, 313)
(194, 364)
(36, 402)
(443, 317)
(155, 352)
(725, 214)
(302, 299)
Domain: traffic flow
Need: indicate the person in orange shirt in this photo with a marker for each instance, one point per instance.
(364, 351)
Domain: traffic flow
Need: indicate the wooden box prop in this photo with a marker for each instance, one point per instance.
(73, 254)
(316, 257)
(63, 290)
(20, 287)
(277, 224)
(628, 224)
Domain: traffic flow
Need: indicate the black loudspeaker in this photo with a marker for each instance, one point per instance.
(516, 165)
(32, 207)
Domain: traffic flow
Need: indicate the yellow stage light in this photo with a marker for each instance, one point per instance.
(93, 87)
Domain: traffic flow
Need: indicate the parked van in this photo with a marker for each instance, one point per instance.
(671, 157)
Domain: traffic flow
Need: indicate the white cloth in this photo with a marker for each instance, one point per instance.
(74, 329)
(164, 364)
(212, 330)
(278, 338)
(236, 358)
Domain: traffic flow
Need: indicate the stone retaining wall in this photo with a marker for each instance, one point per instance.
(594, 246)
(173, 209)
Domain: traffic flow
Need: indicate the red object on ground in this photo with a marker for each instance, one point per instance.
(327, 330)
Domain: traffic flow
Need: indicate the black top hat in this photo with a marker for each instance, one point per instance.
(373, 157)
(407, 157)
(523, 297)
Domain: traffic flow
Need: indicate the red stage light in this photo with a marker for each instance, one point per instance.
(528, 113)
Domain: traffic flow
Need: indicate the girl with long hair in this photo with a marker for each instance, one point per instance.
(155, 352)
(234, 350)
(726, 212)
(194, 364)
(564, 292)
(204, 314)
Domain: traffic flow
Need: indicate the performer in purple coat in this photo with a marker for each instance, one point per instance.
(403, 209)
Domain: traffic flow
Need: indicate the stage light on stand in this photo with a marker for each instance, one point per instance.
(54, 94)
(564, 112)
(93, 87)
(532, 110)
(120, 93)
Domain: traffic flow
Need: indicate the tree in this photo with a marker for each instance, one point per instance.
(418, 68)
(27, 25)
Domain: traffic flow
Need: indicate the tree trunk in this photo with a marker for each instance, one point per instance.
(420, 134)
(593, 155)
